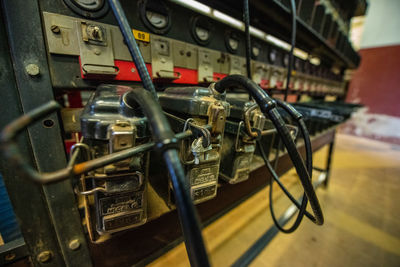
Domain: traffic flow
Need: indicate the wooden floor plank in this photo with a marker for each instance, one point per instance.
(361, 208)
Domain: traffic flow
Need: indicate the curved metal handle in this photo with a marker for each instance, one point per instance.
(10, 150)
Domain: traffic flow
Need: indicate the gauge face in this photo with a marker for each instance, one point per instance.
(297, 63)
(272, 56)
(233, 43)
(256, 51)
(286, 60)
(89, 4)
(202, 34)
(232, 40)
(155, 15)
(201, 29)
(156, 19)
(92, 9)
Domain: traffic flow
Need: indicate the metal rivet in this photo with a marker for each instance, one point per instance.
(74, 244)
(10, 257)
(44, 256)
(97, 51)
(55, 29)
(32, 69)
(133, 70)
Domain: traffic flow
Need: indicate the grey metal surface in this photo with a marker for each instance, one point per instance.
(46, 144)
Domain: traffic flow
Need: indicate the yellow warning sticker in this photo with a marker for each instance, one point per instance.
(141, 36)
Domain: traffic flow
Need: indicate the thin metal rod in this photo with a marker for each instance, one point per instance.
(246, 19)
(293, 43)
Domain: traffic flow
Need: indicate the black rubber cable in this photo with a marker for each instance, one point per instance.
(190, 224)
(132, 46)
(292, 45)
(246, 19)
(268, 107)
(307, 142)
(167, 145)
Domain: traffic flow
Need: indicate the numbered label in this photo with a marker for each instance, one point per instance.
(141, 36)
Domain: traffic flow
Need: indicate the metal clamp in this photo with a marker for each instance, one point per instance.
(237, 148)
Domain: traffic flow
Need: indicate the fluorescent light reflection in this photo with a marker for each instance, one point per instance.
(256, 32)
(208, 11)
(278, 42)
(194, 5)
(228, 19)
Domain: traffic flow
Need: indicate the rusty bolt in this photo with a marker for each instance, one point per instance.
(32, 69)
(74, 244)
(44, 256)
(55, 29)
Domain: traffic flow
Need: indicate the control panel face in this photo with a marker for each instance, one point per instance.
(178, 45)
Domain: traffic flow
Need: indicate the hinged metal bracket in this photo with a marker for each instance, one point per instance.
(95, 50)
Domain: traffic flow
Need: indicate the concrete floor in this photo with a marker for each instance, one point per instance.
(361, 208)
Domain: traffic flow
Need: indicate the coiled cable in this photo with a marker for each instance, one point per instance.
(308, 162)
(268, 107)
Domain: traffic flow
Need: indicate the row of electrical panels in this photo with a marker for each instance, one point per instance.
(104, 56)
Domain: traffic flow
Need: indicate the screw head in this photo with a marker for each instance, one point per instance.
(44, 256)
(55, 29)
(32, 69)
(96, 51)
(74, 244)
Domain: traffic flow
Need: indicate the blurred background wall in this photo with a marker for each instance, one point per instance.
(376, 83)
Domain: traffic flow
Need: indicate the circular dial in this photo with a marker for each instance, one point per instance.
(233, 43)
(256, 51)
(92, 9)
(156, 19)
(232, 40)
(90, 5)
(272, 56)
(297, 64)
(201, 29)
(202, 34)
(155, 15)
(286, 60)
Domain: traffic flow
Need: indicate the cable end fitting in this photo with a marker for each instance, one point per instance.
(268, 105)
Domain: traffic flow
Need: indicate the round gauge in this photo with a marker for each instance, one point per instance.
(89, 4)
(201, 30)
(272, 55)
(156, 19)
(155, 15)
(202, 33)
(286, 60)
(232, 41)
(88, 8)
(255, 51)
(298, 64)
